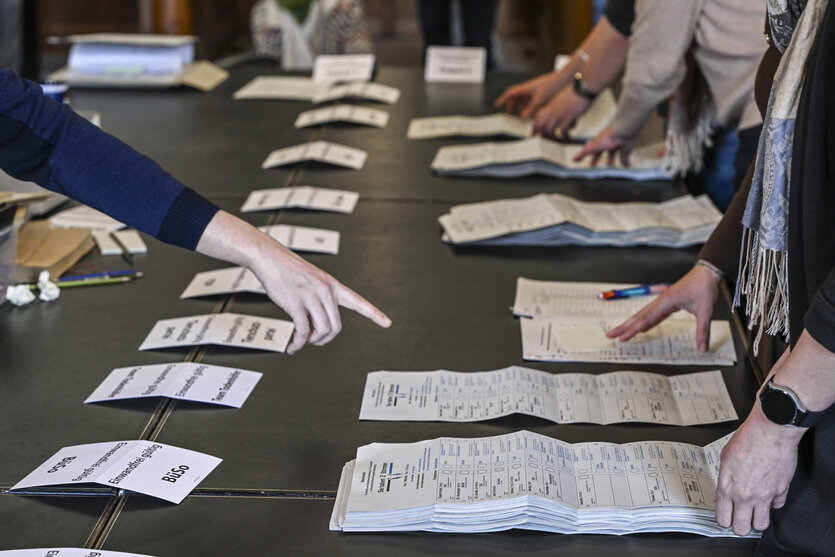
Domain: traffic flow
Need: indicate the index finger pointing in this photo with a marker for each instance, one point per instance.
(347, 298)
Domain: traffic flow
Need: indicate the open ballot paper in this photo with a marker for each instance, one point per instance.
(529, 481)
(455, 64)
(66, 552)
(281, 88)
(343, 113)
(226, 386)
(334, 68)
(608, 398)
(301, 197)
(583, 339)
(559, 220)
(537, 155)
(146, 467)
(224, 329)
(318, 151)
(365, 91)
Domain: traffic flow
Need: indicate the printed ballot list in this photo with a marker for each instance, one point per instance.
(526, 480)
(620, 396)
(146, 467)
(225, 386)
(66, 552)
(224, 329)
(301, 197)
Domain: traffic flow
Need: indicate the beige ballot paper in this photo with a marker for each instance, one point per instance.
(607, 398)
(225, 386)
(364, 91)
(343, 113)
(301, 197)
(66, 552)
(146, 467)
(526, 480)
(470, 126)
(537, 155)
(281, 88)
(317, 151)
(224, 329)
(337, 68)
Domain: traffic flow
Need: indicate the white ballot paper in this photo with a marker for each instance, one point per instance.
(226, 386)
(529, 481)
(281, 88)
(564, 398)
(224, 329)
(318, 151)
(304, 238)
(223, 281)
(301, 197)
(365, 91)
(343, 113)
(146, 467)
(559, 220)
(470, 126)
(537, 155)
(455, 64)
(334, 68)
(82, 216)
(66, 552)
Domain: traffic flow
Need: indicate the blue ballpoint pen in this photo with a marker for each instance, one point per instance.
(643, 290)
(105, 274)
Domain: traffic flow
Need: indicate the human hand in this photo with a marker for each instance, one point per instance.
(526, 98)
(609, 142)
(560, 114)
(696, 292)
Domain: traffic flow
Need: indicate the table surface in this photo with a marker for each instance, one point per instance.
(283, 451)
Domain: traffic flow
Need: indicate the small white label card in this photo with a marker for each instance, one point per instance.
(343, 113)
(224, 329)
(301, 197)
(455, 64)
(66, 552)
(146, 467)
(368, 91)
(319, 151)
(337, 68)
(223, 281)
(304, 238)
(226, 386)
(281, 88)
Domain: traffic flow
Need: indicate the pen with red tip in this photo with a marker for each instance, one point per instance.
(643, 290)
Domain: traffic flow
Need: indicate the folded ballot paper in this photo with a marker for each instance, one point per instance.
(317, 151)
(305, 89)
(529, 481)
(349, 113)
(537, 155)
(559, 220)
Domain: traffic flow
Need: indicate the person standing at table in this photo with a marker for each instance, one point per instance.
(478, 17)
(777, 473)
(47, 143)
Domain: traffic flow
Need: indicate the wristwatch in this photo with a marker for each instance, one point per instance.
(782, 406)
(582, 88)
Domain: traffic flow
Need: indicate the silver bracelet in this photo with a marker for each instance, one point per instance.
(706, 265)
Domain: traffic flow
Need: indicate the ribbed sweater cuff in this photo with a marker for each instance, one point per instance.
(187, 218)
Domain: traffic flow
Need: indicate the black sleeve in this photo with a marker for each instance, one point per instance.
(621, 14)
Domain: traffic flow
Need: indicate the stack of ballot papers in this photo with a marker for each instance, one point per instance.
(529, 481)
(559, 220)
(570, 323)
(537, 155)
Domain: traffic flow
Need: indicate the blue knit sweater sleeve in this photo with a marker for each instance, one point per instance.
(47, 143)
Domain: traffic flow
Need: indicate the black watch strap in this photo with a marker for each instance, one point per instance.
(782, 406)
(582, 88)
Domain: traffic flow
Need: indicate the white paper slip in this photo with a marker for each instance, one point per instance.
(607, 398)
(318, 151)
(364, 91)
(455, 64)
(82, 216)
(304, 238)
(224, 329)
(671, 342)
(223, 281)
(340, 68)
(225, 386)
(470, 126)
(301, 197)
(343, 113)
(129, 238)
(146, 467)
(66, 552)
(281, 88)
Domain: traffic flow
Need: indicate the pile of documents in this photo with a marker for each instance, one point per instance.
(559, 220)
(529, 481)
(537, 155)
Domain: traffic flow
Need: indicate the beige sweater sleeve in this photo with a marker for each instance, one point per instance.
(661, 35)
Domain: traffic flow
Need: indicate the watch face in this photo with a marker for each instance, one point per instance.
(778, 406)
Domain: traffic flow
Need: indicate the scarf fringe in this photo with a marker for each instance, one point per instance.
(685, 149)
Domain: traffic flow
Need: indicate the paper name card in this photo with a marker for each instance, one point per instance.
(225, 386)
(470, 126)
(85, 217)
(281, 88)
(146, 467)
(318, 151)
(607, 398)
(129, 238)
(343, 113)
(339, 68)
(224, 329)
(301, 197)
(223, 281)
(304, 238)
(66, 552)
(366, 91)
(455, 64)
